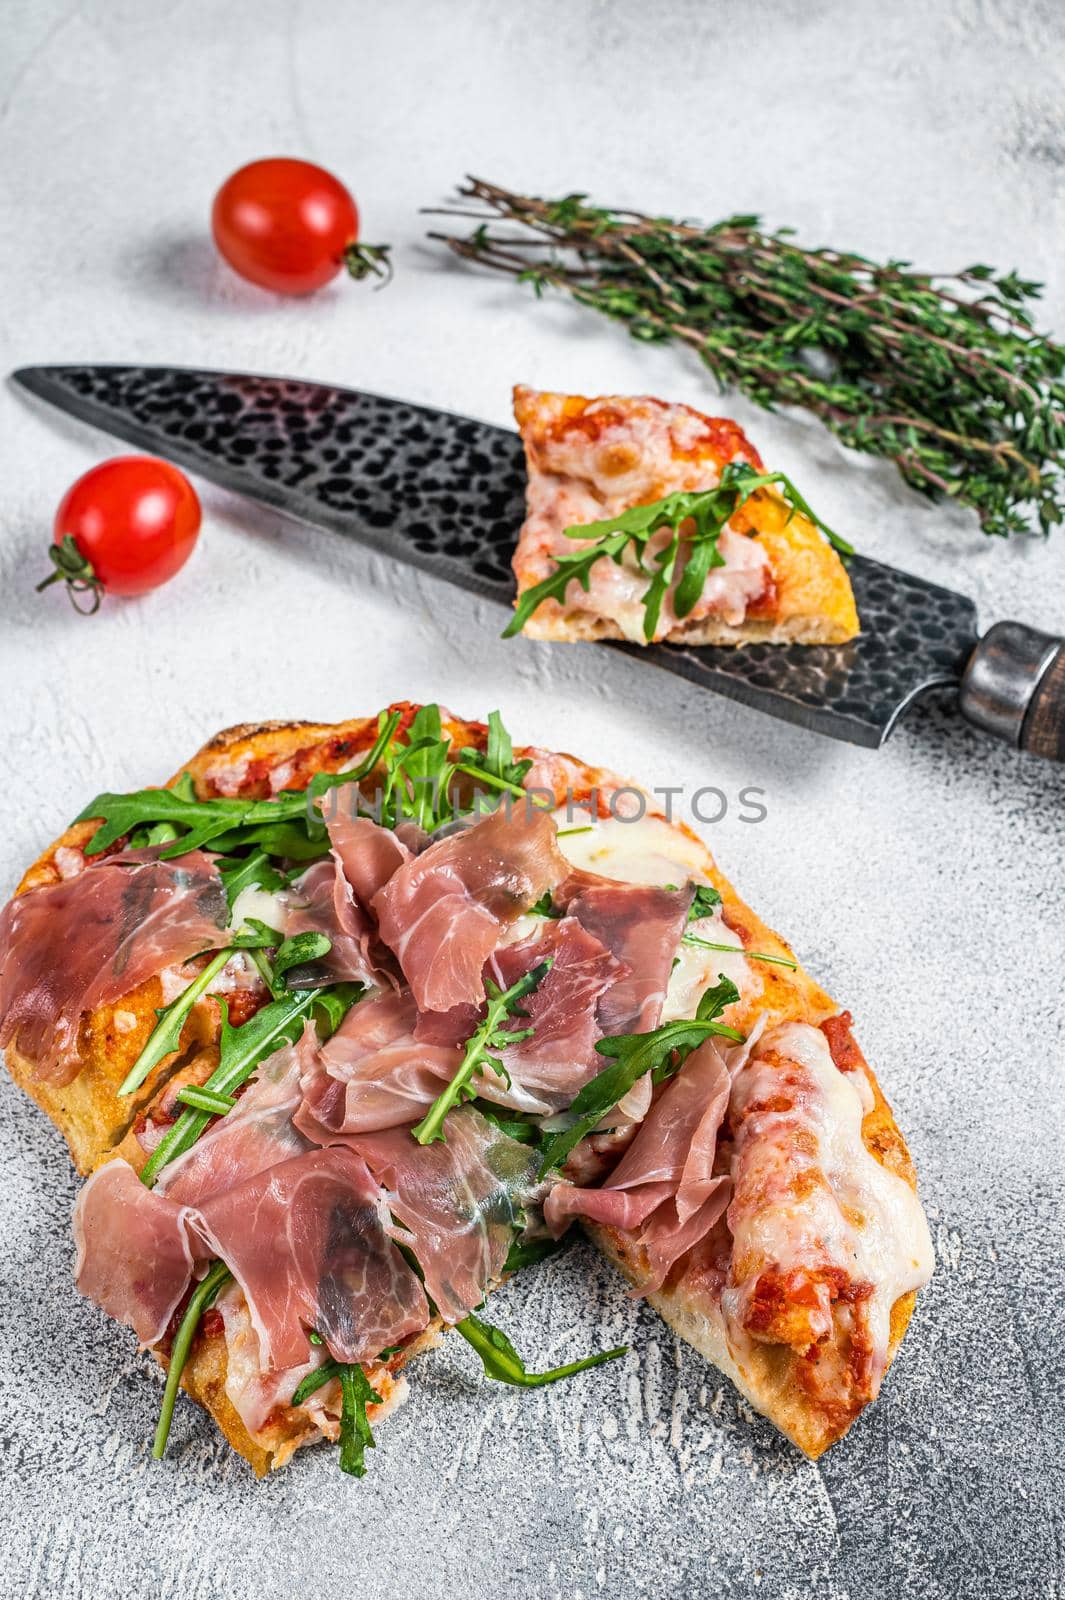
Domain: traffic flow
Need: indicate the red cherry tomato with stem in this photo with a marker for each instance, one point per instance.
(125, 527)
(290, 226)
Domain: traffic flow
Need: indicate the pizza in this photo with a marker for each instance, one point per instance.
(730, 555)
(347, 1025)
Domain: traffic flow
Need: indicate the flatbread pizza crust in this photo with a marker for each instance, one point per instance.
(257, 760)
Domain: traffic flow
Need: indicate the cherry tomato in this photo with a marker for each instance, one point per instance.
(284, 224)
(125, 527)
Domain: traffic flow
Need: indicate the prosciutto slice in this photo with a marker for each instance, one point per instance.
(459, 1201)
(664, 1188)
(443, 912)
(305, 1239)
(368, 854)
(136, 1250)
(560, 1057)
(373, 1073)
(641, 926)
(322, 902)
(257, 1134)
(69, 947)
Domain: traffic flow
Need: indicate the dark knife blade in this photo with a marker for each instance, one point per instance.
(447, 494)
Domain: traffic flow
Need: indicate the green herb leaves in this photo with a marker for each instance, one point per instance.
(502, 1362)
(203, 1295)
(943, 374)
(489, 1037)
(695, 522)
(166, 1035)
(356, 1436)
(241, 1051)
(415, 782)
(706, 901)
(356, 1393)
(661, 1052)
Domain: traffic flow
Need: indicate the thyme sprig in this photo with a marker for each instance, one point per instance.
(942, 373)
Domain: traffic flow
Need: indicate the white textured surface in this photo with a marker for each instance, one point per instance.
(923, 883)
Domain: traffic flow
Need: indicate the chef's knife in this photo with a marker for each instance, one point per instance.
(446, 494)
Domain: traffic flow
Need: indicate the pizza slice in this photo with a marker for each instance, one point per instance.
(689, 540)
(285, 1012)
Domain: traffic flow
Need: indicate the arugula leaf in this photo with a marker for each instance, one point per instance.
(532, 1251)
(123, 813)
(661, 1052)
(248, 872)
(165, 1037)
(543, 906)
(240, 1052)
(715, 1000)
(301, 949)
(289, 838)
(255, 935)
(707, 899)
(515, 1124)
(322, 782)
(356, 1392)
(206, 1100)
(502, 1362)
(488, 1037)
(315, 1380)
(739, 950)
(356, 1435)
(496, 761)
(332, 1005)
(703, 514)
(203, 1296)
(576, 568)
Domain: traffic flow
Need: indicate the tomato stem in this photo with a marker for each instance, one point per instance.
(364, 260)
(77, 572)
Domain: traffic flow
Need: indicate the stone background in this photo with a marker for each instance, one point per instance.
(922, 883)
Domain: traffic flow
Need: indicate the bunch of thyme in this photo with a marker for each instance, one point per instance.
(942, 373)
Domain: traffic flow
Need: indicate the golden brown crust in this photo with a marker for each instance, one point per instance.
(245, 759)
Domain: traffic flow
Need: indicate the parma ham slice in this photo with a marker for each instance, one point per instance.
(307, 1243)
(442, 912)
(458, 1201)
(136, 1250)
(665, 1188)
(305, 1239)
(373, 1073)
(641, 926)
(69, 947)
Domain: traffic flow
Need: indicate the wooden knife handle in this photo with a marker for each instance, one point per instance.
(1043, 732)
(1014, 688)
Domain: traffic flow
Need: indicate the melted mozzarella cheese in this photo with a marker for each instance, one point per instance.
(698, 969)
(266, 906)
(864, 1218)
(638, 850)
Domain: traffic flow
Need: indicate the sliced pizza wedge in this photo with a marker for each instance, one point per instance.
(320, 989)
(737, 566)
